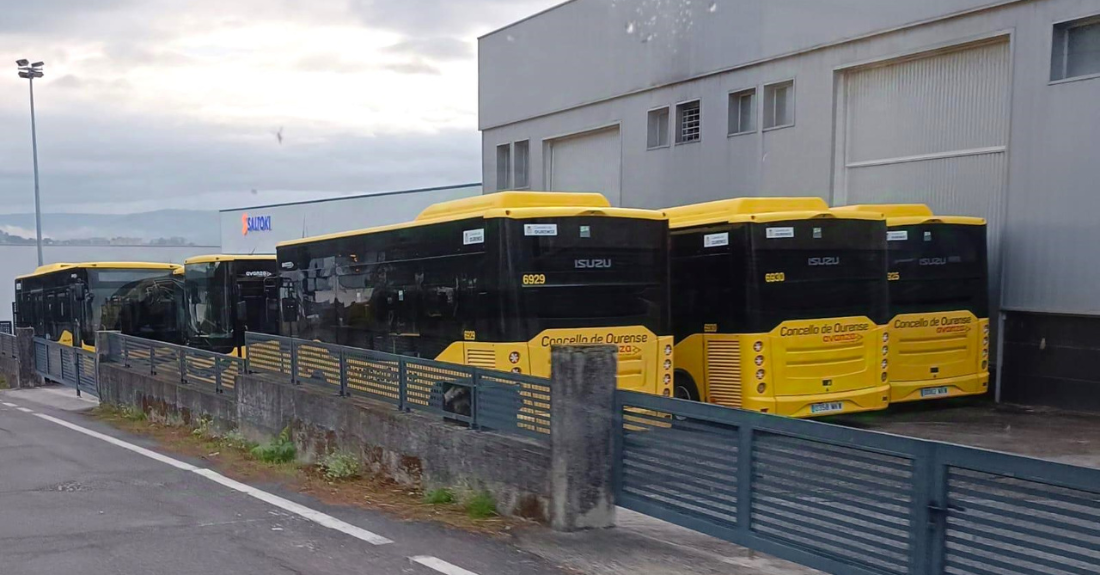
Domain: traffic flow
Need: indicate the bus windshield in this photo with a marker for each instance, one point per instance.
(208, 304)
(108, 289)
(590, 272)
(939, 267)
(816, 269)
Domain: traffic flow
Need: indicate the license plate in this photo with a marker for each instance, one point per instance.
(933, 391)
(827, 407)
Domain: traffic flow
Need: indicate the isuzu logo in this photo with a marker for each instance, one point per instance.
(603, 264)
(933, 261)
(829, 261)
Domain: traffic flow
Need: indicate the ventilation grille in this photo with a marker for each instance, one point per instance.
(481, 358)
(724, 372)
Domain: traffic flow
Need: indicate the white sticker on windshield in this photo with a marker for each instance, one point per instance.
(897, 236)
(777, 233)
(716, 240)
(473, 237)
(540, 229)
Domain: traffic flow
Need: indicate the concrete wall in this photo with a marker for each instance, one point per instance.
(1052, 173)
(165, 399)
(413, 449)
(298, 220)
(9, 371)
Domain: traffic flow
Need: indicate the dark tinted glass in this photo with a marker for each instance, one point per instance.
(939, 267)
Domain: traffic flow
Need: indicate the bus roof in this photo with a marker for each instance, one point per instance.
(759, 210)
(227, 258)
(517, 205)
(911, 214)
(54, 268)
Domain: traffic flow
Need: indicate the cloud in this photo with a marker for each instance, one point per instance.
(435, 48)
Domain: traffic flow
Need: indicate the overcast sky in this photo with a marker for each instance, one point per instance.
(149, 105)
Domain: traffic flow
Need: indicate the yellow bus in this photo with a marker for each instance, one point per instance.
(939, 302)
(227, 295)
(492, 281)
(70, 302)
(778, 305)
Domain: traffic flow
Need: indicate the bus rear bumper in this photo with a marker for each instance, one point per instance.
(868, 399)
(972, 384)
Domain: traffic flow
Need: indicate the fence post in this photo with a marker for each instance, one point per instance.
(152, 360)
(745, 436)
(76, 363)
(218, 374)
(183, 365)
(293, 361)
(582, 431)
(343, 373)
(475, 397)
(402, 385)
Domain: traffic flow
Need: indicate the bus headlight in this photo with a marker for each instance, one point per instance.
(668, 364)
(884, 364)
(517, 370)
(985, 341)
(885, 350)
(668, 379)
(885, 337)
(761, 388)
(668, 350)
(985, 365)
(884, 377)
(985, 353)
(759, 374)
(985, 329)
(759, 360)
(513, 357)
(667, 392)
(758, 346)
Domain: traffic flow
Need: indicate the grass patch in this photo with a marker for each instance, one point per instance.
(3, 383)
(481, 506)
(439, 497)
(132, 413)
(280, 450)
(340, 466)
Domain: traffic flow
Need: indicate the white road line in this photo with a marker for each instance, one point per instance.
(25, 410)
(285, 504)
(440, 565)
(6, 404)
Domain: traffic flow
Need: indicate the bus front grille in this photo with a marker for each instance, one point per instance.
(724, 372)
(486, 358)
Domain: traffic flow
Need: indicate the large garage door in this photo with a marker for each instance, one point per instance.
(932, 130)
(589, 162)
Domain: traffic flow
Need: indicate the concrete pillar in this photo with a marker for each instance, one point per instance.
(24, 348)
(582, 433)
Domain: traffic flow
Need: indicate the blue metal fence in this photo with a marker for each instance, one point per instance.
(484, 399)
(188, 364)
(850, 501)
(67, 365)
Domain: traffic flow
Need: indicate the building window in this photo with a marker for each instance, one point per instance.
(779, 105)
(504, 166)
(688, 116)
(658, 128)
(521, 152)
(1076, 50)
(742, 112)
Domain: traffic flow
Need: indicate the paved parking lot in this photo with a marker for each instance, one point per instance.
(1036, 432)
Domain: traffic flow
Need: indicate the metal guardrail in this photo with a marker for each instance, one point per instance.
(189, 365)
(7, 345)
(67, 365)
(484, 399)
(850, 501)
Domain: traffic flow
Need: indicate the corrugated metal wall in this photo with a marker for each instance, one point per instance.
(932, 129)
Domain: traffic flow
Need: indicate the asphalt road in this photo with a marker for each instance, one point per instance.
(74, 503)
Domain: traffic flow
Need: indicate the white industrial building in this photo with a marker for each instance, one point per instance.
(258, 229)
(975, 107)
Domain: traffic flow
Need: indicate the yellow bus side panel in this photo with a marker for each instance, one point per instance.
(938, 355)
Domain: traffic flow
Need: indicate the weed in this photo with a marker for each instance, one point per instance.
(481, 506)
(3, 383)
(236, 440)
(203, 429)
(439, 497)
(132, 413)
(340, 465)
(280, 450)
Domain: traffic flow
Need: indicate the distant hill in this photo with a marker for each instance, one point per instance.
(162, 226)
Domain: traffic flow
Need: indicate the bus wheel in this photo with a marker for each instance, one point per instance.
(684, 388)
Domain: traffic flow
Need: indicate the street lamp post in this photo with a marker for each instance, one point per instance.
(30, 72)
